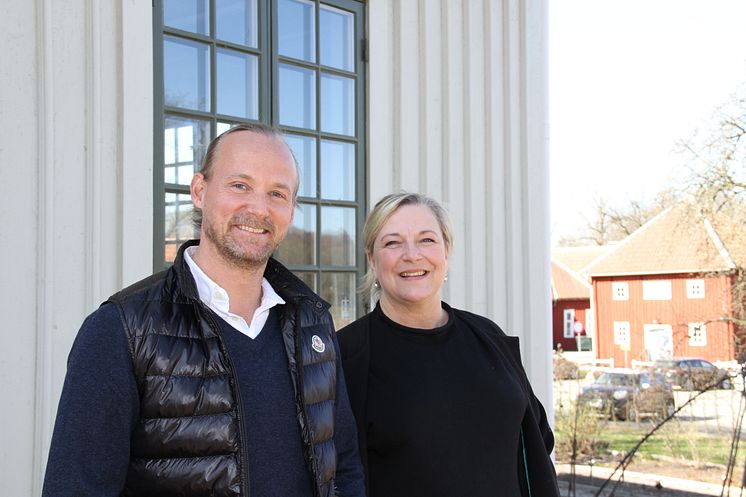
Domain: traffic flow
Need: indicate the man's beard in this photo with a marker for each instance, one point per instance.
(252, 256)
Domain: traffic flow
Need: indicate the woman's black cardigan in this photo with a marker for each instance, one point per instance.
(537, 435)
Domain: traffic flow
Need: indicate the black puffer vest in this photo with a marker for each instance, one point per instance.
(189, 440)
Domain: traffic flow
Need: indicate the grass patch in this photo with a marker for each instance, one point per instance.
(612, 439)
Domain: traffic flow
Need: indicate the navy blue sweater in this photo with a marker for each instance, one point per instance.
(99, 407)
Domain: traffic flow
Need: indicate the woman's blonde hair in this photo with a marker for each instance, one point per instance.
(381, 213)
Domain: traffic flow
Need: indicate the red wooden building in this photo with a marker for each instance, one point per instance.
(571, 294)
(667, 289)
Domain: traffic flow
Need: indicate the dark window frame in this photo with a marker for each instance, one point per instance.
(268, 112)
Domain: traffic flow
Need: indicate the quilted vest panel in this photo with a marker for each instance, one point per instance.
(187, 440)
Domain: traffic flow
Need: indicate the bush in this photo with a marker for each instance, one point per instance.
(564, 369)
(587, 427)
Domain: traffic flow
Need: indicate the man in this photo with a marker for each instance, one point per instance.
(219, 376)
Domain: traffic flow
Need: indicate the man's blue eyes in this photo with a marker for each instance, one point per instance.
(244, 187)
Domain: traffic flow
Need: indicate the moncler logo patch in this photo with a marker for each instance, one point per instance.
(317, 344)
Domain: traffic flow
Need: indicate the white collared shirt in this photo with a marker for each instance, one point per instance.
(214, 297)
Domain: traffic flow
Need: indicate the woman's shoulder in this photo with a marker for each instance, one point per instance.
(353, 337)
(479, 322)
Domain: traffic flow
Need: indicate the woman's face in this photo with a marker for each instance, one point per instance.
(409, 257)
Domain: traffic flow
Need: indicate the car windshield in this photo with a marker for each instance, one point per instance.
(615, 379)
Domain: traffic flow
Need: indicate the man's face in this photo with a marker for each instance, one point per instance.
(247, 202)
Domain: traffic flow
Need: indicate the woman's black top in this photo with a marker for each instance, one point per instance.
(443, 414)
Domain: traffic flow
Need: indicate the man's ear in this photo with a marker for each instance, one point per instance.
(197, 189)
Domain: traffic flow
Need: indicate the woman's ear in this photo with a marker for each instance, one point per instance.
(371, 264)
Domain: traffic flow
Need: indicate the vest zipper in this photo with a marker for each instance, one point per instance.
(244, 454)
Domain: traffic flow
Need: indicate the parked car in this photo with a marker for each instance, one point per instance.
(692, 373)
(629, 394)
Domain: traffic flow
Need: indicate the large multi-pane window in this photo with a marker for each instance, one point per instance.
(296, 64)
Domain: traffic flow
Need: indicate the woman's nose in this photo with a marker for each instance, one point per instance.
(411, 251)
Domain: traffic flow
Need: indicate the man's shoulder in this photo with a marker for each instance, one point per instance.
(140, 290)
(99, 330)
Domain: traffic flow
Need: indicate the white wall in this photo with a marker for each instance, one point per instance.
(457, 110)
(76, 183)
(457, 99)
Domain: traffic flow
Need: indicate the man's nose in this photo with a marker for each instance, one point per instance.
(258, 205)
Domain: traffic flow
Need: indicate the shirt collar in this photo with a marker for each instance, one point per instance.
(214, 296)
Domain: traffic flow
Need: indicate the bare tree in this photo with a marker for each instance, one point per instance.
(718, 157)
(718, 186)
(613, 223)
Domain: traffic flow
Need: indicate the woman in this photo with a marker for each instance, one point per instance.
(442, 403)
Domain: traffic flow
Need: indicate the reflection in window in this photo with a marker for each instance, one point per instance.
(337, 170)
(238, 84)
(222, 127)
(186, 73)
(236, 21)
(187, 15)
(337, 105)
(296, 29)
(290, 63)
(297, 97)
(185, 142)
(308, 278)
(304, 150)
(336, 38)
(299, 246)
(337, 236)
(339, 290)
(178, 223)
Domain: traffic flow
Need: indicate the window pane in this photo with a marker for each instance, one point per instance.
(304, 149)
(186, 73)
(188, 15)
(178, 226)
(337, 170)
(236, 21)
(296, 35)
(337, 236)
(238, 84)
(339, 290)
(337, 104)
(308, 278)
(297, 97)
(299, 246)
(185, 143)
(222, 128)
(336, 38)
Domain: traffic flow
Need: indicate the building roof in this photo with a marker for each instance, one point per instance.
(678, 240)
(578, 258)
(568, 285)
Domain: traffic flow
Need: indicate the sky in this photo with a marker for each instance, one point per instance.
(629, 80)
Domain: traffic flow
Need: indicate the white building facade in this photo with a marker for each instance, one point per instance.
(105, 105)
